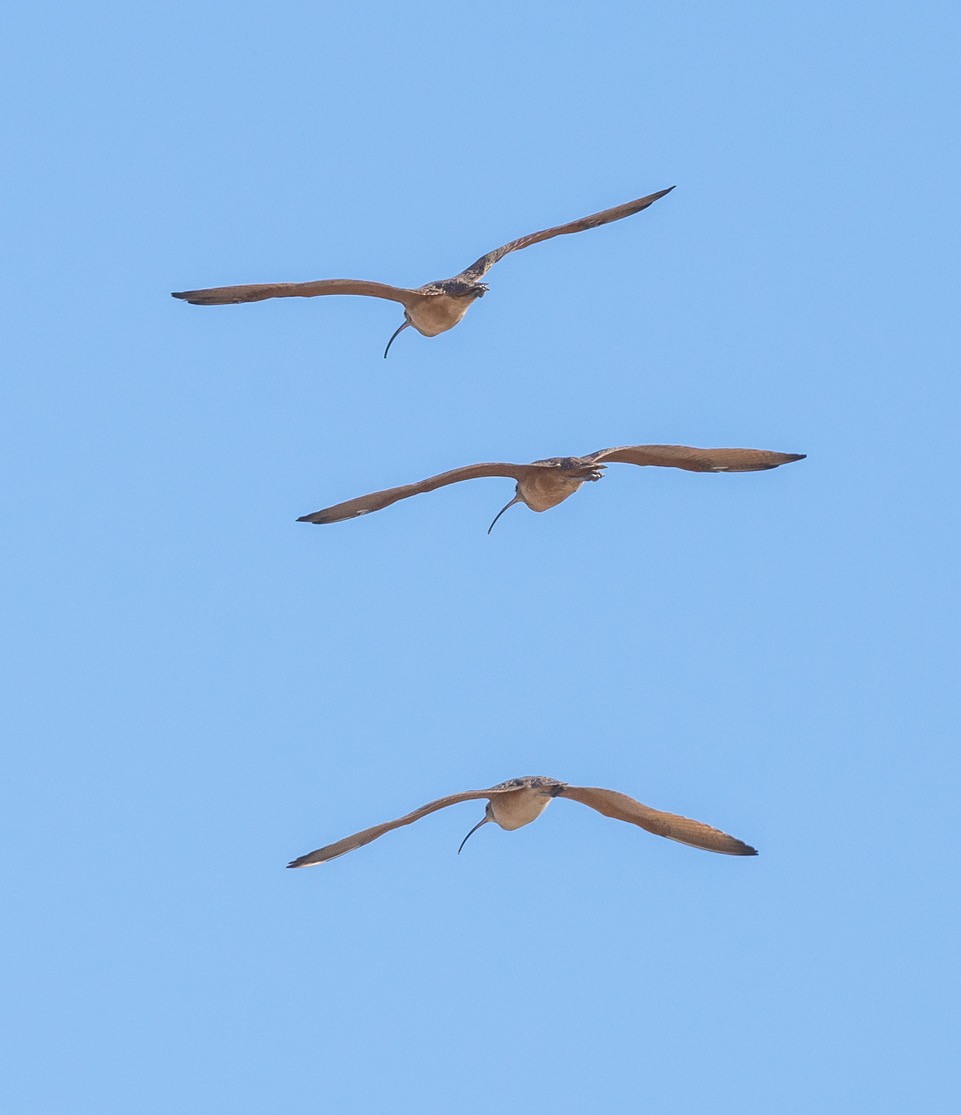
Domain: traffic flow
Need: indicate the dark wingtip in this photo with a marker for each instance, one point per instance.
(785, 459)
(302, 861)
(178, 294)
(315, 519)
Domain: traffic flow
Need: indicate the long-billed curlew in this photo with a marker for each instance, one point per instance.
(430, 309)
(544, 484)
(519, 801)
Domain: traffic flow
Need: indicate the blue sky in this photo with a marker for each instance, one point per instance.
(199, 688)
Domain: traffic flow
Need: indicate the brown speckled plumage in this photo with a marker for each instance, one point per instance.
(544, 484)
(432, 308)
(519, 801)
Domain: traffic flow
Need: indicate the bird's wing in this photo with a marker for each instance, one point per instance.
(362, 505)
(228, 295)
(486, 262)
(359, 839)
(696, 460)
(683, 829)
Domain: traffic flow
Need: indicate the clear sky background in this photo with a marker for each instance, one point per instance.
(198, 688)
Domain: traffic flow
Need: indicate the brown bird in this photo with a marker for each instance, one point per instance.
(430, 309)
(544, 484)
(519, 801)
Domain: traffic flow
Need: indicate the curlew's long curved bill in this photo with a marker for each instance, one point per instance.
(258, 292)
(480, 268)
(671, 825)
(516, 499)
(483, 821)
(400, 329)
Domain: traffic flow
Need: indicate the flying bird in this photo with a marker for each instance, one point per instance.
(519, 801)
(544, 484)
(430, 309)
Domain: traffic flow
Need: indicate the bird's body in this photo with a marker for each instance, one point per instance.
(544, 484)
(432, 308)
(519, 801)
(442, 305)
(524, 801)
(552, 480)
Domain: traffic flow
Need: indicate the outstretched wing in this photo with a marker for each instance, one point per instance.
(696, 460)
(362, 505)
(683, 829)
(229, 295)
(485, 263)
(359, 839)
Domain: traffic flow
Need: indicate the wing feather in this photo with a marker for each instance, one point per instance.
(606, 216)
(696, 460)
(359, 839)
(674, 827)
(376, 501)
(230, 295)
